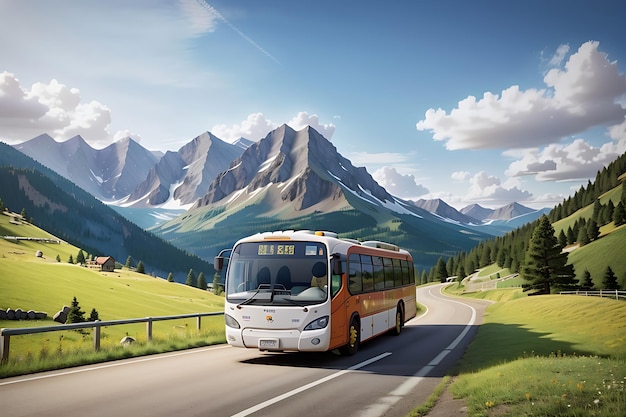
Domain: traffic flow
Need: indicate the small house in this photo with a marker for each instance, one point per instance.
(106, 263)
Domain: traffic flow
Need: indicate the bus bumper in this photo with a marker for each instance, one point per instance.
(280, 340)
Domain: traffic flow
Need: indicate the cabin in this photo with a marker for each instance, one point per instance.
(106, 263)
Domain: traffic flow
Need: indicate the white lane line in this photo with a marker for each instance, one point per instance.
(114, 364)
(293, 392)
(386, 402)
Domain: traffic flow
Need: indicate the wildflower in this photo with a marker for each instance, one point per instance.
(528, 396)
(489, 404)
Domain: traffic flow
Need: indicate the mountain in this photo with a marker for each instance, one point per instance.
(298, 180)
(477, 211)
(510, 211)
(445, 211)
(184, 176)
(108, 174)
(69, 212)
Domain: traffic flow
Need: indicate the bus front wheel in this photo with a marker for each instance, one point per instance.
(354, 338)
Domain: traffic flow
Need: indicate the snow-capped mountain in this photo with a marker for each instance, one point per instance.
(293, 173)
(108, 174)
(298, 180)
(184, 176)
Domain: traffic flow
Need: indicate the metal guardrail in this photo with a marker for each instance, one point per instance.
(5, 334)
(617, 294)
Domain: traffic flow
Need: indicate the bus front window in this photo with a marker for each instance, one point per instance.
(293, 273)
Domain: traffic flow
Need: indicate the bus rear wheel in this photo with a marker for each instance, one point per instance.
(397, 328)
(354, 338)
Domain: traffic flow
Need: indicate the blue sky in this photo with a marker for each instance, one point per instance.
(483, 102)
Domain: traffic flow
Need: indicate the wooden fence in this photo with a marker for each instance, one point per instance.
(616, 294)
(5, 334)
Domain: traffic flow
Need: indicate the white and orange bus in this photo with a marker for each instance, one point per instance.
(312, 291)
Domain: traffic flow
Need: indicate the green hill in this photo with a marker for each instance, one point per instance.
(75, 216)
(44, 284)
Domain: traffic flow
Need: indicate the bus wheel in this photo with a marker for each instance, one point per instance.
(397, 329)
(354, 338)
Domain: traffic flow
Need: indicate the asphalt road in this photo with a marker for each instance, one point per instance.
(388, 376)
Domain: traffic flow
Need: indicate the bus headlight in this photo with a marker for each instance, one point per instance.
(319, 323)
(231, 322)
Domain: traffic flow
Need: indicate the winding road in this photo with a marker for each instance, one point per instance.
(388, 376)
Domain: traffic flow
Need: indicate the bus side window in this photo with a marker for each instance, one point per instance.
(367, 273)
(355, 284)
(335, 284)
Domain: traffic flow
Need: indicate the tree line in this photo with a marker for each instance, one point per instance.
(535, 249)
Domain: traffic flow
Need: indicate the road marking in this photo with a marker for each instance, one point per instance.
(386, 402)
(293, 392)
(114, 364)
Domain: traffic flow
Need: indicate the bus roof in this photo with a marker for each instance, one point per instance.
(331, 238)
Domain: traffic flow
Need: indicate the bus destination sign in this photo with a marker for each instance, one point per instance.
(276, 249)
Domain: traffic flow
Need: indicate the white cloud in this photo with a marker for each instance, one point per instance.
(256, 127)
(52, 108)
(489, 189)
(559, 56)
(576, 161)
(579, 97)
(382, 158)
(202, 19)
(398, 184)
(303, 119)
(460, 175)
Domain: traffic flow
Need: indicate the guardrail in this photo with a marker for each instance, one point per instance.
(618, 295)
(5, 334)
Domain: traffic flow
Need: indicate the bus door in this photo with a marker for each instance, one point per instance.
(338, 307)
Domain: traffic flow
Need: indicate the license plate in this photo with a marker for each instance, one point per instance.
(268, 343)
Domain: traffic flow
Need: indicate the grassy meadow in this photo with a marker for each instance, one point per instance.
(549, 355)
(45, 284)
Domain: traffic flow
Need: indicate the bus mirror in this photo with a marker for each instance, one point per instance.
(218, 263)
(336, 265)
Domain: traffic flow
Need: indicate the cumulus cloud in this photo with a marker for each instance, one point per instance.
(490, 190)
(576, 161)
(52, 108)
(578, 97)
(460, 175)
(398, 184)
(303, 119)
(256, 127)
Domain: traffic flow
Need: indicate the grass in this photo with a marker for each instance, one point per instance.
(43, 284)
(546, 356)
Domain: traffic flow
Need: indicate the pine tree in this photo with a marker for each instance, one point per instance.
(58, 258)
(80, 258)
(587, 283)
(583, 236)
(191, 279)
(441, 273)
(562, 238)
(70, 260)
(610, 280)
(76, 315)
(129, 262)
(201, 281)
(217, 290)
(140, 268)
(619, 214)
(593, 231)
(170, 277)
(545, 265)
(93, 316)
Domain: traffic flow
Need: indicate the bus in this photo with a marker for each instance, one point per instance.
(311, 291)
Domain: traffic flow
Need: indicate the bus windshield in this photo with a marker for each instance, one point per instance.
(278, 273)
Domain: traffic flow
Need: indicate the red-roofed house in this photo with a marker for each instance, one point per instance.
(107, 263)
